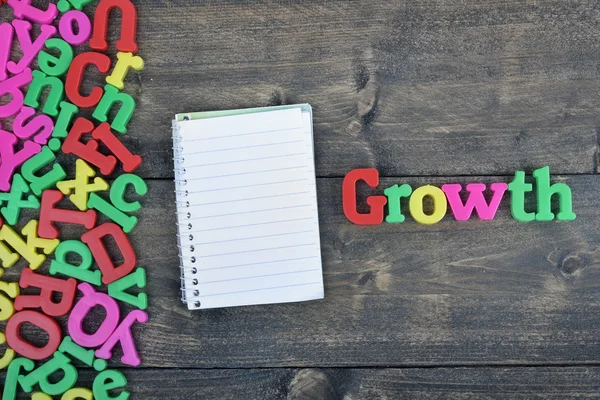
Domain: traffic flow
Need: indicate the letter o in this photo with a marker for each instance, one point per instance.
(65, 27)
(439, 205)
(42, 321)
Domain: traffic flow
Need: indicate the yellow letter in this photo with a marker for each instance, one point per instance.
(6, 305)
(9, 354)
(78, 393)
(28, 249)
(125, 61)
(439, 205)
(80, 187)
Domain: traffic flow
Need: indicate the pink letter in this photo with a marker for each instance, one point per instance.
(40, 126)
(9, 160)
(6, 39)
(12, 86)
(123, 334)
(30, 49)
(90, 299)
(24, 9)
(65, 27)
(475, 201)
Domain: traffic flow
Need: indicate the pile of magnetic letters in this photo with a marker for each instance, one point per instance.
(57, 230)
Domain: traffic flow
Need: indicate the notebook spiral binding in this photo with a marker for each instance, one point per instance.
(188, 284)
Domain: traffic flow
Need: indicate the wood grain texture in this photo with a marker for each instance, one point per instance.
(428, 92)
(415, 87)
(495, 292)
(362, 384)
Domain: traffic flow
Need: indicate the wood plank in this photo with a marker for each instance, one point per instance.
(358, 384)
(479, 292)
(412, 87)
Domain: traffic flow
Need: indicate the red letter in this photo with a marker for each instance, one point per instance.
(75, 76)
(93, 239)
(371, 177)
(49, 214)
(48, 288)
(128, 26)
(18, 344)
(103, 134)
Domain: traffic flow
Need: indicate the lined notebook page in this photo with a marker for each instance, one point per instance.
(249, 230)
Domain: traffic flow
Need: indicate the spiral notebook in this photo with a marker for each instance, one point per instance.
(247, 207)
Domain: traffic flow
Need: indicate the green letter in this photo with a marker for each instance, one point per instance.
(394, 193)
(112, 96)
(55, 96)
(544, 197)
(518, 188)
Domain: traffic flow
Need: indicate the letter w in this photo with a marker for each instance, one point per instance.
(485, 211)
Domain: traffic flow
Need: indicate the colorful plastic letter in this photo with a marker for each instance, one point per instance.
(49, 287)
(50, 214)
(26, 349)
(84, 27)
(23, 9)
(75, 77)
(125, 61)
(11, 160)
(110, 272)
(78, 394)
(518, 188)
(137, 278)
(40, 396)
(119, 187)
(109, 380)
(82, 272)
(439, 205)
(30, 48)
(29, 169)
(15, 201)
(69, 347)
(87, 151)
(56, 66)
(63, 122)
(27, 249)
(65, 5)
(41, 376)
(125, 221)
(12, 376)
(6, 41)
(7, 308)
(9, 354)
(394, 194)
(371, 177)
(80, 186)
(476, 200)
(123, 335)
(103, 134)
(56, 94)
(128, 26)
(90, 299)
(111, 97)
(545, 191)
(40, 126)
(12, 86)
(8, 257)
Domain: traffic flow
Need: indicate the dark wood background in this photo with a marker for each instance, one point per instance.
(428, 92)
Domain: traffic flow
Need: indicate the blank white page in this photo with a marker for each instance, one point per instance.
(247, 209)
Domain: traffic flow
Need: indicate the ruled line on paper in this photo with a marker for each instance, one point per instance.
(257, 224)
(245, 160)
(257, 263)
(253, 185)
(238, 135)
(260, 289)
(252, 237)
(241, 148)
(258, 276)
(256, 250)
(251, 198)
(250, 212)
(247, 173)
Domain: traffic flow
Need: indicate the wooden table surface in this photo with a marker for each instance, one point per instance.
(427, 92)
